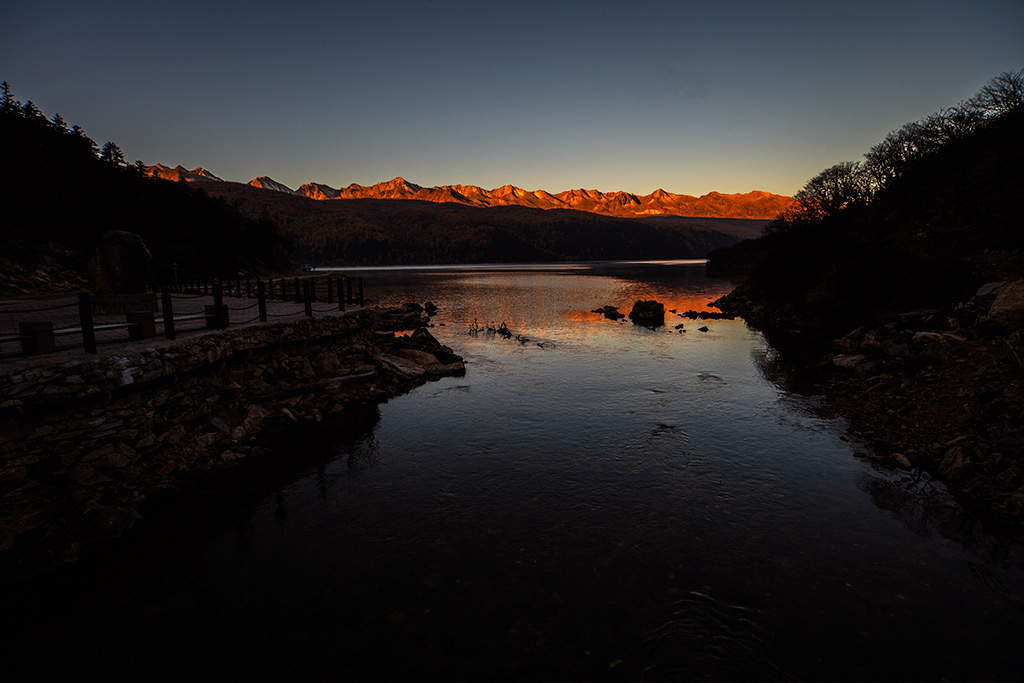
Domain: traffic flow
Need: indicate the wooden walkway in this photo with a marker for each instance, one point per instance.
(61, 313)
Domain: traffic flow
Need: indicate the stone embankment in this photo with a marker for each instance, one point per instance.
(87, 442)
(938, 390)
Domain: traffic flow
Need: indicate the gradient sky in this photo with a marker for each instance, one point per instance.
(689, 97)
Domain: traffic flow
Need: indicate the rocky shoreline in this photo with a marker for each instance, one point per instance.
(89, 445)
(938, 390)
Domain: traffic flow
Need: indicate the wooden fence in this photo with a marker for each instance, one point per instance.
(38, 329)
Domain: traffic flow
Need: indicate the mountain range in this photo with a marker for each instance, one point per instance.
(755, 205)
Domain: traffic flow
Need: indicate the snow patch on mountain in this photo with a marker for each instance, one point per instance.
(267, 183)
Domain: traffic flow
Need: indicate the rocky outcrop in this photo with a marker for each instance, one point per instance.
(939, 389)
(87, 443)
(406, 317)
(1007, 307)
(648, 313)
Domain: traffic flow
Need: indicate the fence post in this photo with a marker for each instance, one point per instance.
(341, 296)
(307, 297)
(168, 315)
(261, 298)
(85, 314)
(362, 301)
(218, 311)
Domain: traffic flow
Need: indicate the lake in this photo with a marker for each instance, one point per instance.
(593, 500)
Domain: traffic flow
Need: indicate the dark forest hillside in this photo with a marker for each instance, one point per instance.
(931, 213)
(384, 231)
(61, 193)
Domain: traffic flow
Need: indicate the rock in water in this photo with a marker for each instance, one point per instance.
(648, 313)
(121, 264)
(610, 312)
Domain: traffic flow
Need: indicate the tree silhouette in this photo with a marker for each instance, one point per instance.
(1001, 95)
(30, 111)
(7, 103)
(835, 189)
(112, 154)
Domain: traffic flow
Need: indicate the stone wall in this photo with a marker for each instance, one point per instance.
(86, 442)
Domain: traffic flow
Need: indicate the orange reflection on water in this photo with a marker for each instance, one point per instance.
(544, 302)
(674, 300)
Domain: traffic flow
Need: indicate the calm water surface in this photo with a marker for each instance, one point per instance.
(593, 501)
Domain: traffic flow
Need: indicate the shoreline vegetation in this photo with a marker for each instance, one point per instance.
(898, 281)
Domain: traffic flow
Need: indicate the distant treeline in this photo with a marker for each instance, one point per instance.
(928, 214)
(392, 232)
(61, 190)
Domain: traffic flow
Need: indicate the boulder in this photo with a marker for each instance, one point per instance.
(648, 313)
(1008, 306)
(120, 264)
(848, 361)
(954, 463)
(610, 312)
(986, 294)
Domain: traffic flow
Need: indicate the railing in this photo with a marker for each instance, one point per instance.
(40, 328)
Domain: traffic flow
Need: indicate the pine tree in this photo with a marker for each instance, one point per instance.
(8, 103)
(30, 111)
(112, 153)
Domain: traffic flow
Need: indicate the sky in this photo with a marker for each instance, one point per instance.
(688, 97)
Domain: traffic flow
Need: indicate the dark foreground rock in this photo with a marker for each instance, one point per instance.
(941, 390)
(651, 313)
(406, 317)
(89, 444)
(610, 312)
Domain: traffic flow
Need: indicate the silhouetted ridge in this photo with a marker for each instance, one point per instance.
(98, 191)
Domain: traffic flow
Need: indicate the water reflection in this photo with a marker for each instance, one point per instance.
(624, 504)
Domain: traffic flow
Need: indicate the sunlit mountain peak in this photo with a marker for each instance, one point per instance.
(267, 183)
(756, 205)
